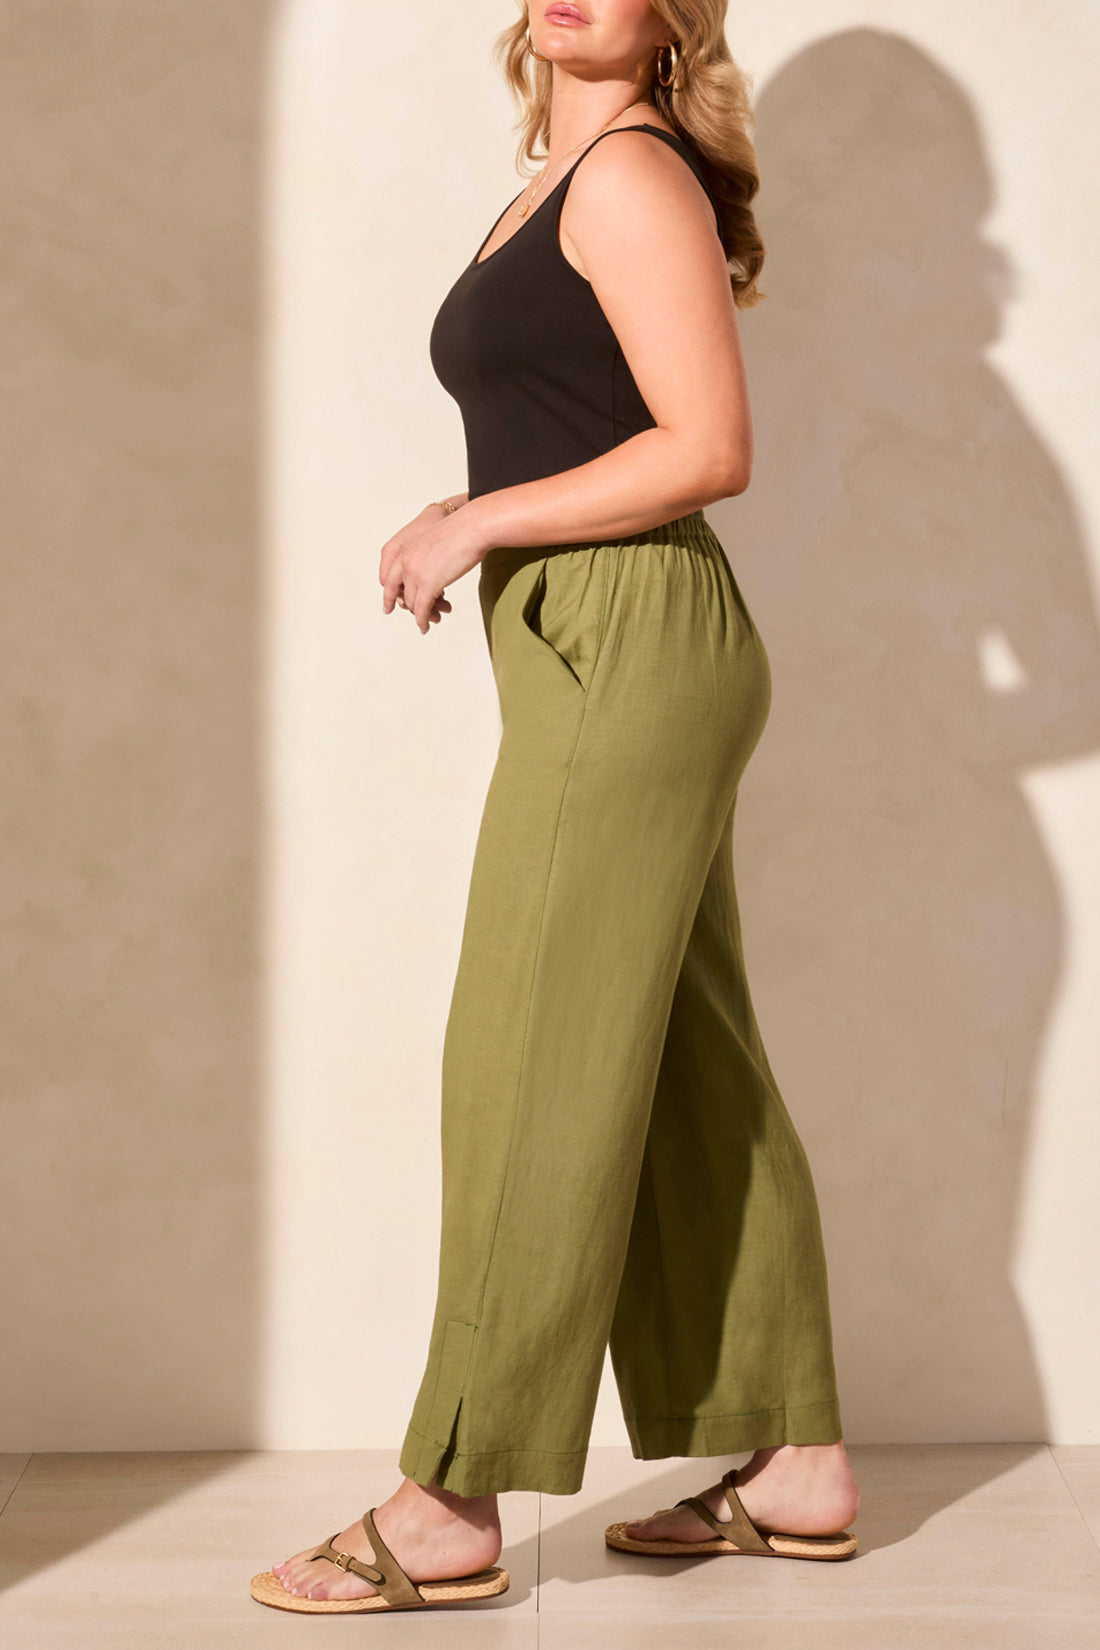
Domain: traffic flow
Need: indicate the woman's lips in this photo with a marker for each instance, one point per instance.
(567, 15)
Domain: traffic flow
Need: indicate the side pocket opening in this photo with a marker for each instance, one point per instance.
(532, 613)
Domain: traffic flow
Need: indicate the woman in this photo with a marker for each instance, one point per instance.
(618, 1163)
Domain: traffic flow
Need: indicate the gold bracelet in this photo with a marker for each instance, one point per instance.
(447, 505)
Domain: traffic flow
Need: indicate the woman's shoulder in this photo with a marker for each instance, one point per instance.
(636, 165)
(639, 139)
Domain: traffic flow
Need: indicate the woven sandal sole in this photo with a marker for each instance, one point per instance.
(782, 1545)
(268, 1589)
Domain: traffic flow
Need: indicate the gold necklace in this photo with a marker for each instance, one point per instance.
(523, 211)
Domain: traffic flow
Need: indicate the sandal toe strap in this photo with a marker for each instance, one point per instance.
(701, 1510)
(388, 1578)
(739, 1529)
(347, 1561)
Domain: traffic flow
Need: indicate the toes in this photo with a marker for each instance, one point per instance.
(292, 1577)
(666, 1525)
(307, 1577)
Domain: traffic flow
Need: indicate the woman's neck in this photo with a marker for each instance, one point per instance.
(578, 111)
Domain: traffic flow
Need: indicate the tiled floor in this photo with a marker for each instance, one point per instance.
(975, 1546)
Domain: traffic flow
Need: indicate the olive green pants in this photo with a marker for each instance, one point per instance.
(618, 1163)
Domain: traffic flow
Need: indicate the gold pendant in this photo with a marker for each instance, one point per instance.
(523, 211)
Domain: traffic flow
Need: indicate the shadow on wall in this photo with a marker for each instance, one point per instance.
(910, 553)
(132, 835)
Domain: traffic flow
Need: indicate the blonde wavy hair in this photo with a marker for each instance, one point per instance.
(708, 106)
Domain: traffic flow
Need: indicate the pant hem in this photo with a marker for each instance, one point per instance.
(492, 1472)
(653, 1437)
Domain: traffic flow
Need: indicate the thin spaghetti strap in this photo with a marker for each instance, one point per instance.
(667, 137)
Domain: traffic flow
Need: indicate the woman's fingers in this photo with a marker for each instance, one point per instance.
(393, 578)
(440, 606)
(392, 591)
(404, 587)
(423, 605)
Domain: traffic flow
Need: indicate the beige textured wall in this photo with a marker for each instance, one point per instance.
(132, 825)
(241, 802)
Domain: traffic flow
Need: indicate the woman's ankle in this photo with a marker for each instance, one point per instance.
(798, 1457)
(481, 1511)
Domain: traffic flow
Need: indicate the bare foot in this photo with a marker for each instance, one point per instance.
(800, 1489)
(433, 1534)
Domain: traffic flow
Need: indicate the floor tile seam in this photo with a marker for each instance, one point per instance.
(15, 1486)
(538, 1563)
(1095, 1538)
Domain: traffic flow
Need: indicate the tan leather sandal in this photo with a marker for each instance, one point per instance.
(395, 1590)
(736, 1534)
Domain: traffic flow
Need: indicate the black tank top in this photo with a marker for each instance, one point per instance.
(522, 345)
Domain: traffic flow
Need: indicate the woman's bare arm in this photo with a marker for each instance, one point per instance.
(643, 232)
(642, 227)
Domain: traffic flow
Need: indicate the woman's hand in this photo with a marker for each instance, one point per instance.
(419, 562)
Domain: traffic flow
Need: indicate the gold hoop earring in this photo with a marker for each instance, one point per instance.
(674, 63)
(534, 53)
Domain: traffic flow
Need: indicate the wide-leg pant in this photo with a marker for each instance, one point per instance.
(618, 1163)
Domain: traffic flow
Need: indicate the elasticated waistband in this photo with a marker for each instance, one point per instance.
(680, 530)
(690, 529)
